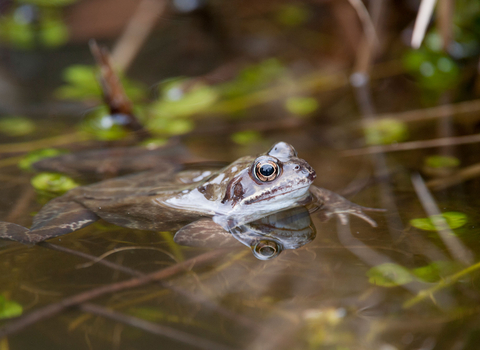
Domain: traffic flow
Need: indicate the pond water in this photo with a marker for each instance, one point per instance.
(405, 284)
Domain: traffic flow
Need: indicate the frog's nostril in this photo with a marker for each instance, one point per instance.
(297, 167)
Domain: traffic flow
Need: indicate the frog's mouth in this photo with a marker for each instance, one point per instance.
(272, 194)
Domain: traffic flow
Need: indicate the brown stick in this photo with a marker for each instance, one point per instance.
(50, 310)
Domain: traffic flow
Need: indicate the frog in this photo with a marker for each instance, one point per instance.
(250, 188)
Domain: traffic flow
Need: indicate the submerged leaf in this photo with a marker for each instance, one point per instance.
(389, 275)
(434, 271)
(9, 309)
(53, 183)
(454, 220)
(16, 126)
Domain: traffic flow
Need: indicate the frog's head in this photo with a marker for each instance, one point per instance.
(274, 181)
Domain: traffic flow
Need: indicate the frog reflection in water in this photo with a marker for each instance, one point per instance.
(247, 190)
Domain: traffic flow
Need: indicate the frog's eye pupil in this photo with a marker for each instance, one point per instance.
(267, 170)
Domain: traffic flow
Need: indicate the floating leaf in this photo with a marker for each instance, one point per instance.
(389, 275)
(246, 137)
(16, 126)
(442, 162)
(301, 105)
(102, 126)
(385, 131)
(167, 126)
(53, 183)
(9, 309)
(176, 103)
(26, 162)
(154, 142)
(454, 220)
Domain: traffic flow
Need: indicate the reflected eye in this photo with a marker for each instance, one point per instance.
(266, 250)
(266, 171)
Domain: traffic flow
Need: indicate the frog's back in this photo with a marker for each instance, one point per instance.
(129, 201)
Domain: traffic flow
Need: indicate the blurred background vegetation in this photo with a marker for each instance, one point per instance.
(338, 79)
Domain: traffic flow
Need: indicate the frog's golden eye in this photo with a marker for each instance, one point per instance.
(266, 170)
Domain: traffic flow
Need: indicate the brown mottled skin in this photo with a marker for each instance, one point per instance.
(232, 197)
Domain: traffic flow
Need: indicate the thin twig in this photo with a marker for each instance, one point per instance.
(50, 310)
(405, 146)
(460, 176)
(137, 31)
(122, 249)
(434, 112)
(421, 22)
(244, 321)
(446, 282)
(60, 140)
(153, 327)
(367, 23)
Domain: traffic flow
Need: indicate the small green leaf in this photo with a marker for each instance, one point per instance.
(385, 131)
(53, 32)
(454, 220)
(389, 275)
(16, 126)
(9, 309)
(246, 137)
(167, 126)
(26, 162)
(102, 126)
(442, 162)
(154, 142)
(53, 183)
(301, 105)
